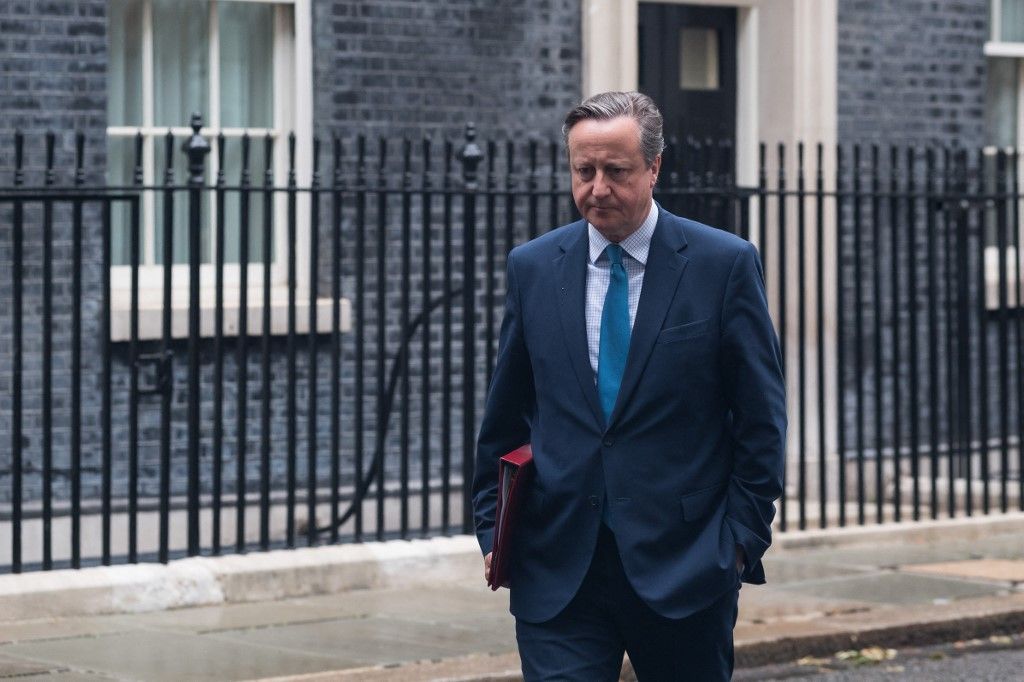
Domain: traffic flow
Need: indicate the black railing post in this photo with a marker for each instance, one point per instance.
(291, 406)
(338, 186)
(196, 148)
(165, 349)
(471, 156)
(406, 295)
(266, 251)
(311, 380)
(1002, 243)
(48, 360)
(133, 353)
(218, 346)
(242, 349)
(381, 302)
(106, 388)
(17, 323)
(841, 329)
(426, 204)
(359, 316)
(76, 355)
(963, 326)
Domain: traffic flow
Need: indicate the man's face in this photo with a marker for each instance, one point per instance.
(611, 183)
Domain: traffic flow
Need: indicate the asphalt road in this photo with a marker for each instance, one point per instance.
(996, 659)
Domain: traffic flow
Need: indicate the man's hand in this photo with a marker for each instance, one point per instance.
(741, 559)
(487, 567)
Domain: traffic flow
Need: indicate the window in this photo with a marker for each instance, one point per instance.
(246, 67)
(1004, 125)
(1002, 101)
(698, 59)
(1007, 21)
(234, 62)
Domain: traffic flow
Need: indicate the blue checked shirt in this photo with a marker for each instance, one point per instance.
(635, 248)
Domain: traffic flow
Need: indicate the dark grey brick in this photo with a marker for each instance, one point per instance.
(885, 45)
(427, 63)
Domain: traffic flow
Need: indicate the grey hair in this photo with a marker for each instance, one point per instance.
(635, 105)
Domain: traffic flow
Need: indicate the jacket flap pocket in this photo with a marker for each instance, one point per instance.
(697, 504)
(684, 331)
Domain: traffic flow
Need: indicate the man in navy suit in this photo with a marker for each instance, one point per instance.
(638, 358)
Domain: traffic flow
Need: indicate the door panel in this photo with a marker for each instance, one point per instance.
(688, 65)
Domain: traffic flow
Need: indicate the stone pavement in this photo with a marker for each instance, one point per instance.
(828, 591)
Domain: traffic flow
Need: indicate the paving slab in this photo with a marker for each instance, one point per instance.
(872, 557)
(204, 619)
(491, 636)
(1001, 570)
(444, 601)
(780, 571)
(61, 628)
(67, 676)
(18, 667)
(372, 640)
(172, 657)
(895, 588)
(769, 604)
(794, 628)
(62, 675)
(473, 668)
(996, 546)
(1003, 546)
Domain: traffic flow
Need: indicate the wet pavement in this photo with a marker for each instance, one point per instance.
(819, 600)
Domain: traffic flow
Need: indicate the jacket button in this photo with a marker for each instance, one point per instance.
(593, 501)
(608, 442)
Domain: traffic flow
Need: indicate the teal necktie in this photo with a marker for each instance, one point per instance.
(614, 344)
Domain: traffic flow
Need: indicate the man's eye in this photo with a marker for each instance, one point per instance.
(585, 172)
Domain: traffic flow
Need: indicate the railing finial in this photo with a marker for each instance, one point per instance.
(471, 156)
(196, 147)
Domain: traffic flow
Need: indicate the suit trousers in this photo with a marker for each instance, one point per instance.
(606, 618)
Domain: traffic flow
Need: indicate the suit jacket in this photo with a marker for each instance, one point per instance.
(691, 459)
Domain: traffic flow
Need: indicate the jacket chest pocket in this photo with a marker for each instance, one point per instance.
(685, 332)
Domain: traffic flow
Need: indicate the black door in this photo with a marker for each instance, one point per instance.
(688, 66)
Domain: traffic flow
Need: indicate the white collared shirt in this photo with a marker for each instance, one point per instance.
(635, 248)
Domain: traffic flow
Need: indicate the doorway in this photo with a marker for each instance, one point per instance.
(687, 64)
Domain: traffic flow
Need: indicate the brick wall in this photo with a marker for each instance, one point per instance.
(52, 77)
(401, 67)
(53, 56)
(912, 70)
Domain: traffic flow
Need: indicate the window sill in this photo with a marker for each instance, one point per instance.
(151, 315)
(1001, 48)
(992, 278)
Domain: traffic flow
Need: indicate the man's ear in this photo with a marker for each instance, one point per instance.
(655, 168)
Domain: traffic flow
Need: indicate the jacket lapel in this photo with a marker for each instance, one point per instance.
(571, 266)
(664, 268)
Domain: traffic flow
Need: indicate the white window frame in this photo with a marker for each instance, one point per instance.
(293, 63)
(997, 47)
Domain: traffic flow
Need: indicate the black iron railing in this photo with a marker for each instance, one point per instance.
(309, 363)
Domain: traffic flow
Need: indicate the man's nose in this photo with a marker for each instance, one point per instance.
(600, 187)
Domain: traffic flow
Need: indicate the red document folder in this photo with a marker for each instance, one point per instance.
(514, 472)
